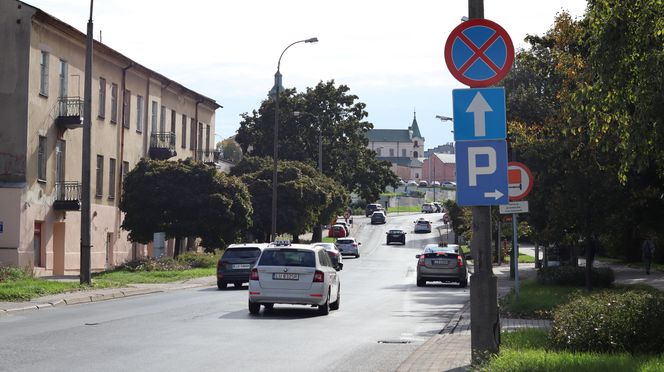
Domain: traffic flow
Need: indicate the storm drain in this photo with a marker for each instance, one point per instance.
(394, 342)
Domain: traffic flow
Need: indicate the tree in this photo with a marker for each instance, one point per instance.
(230, 150)
(184, 199)
(340, 118)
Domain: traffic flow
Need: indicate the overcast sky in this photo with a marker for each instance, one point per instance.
(390, 53)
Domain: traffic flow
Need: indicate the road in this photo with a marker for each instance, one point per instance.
(382, 319)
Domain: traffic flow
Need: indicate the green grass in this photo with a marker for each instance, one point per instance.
(535, 301)
(327, 239)
(527, 350)
(121, 278)
(405, 208)
(26, 288)
(523, 258)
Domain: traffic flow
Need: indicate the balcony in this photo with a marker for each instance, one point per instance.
(67, 196)
(162, 145)
(70, 113)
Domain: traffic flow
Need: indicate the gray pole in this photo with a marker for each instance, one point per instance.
(515, 253)
(275, 156)
(85, 176)
(320, 146)
(484, 318)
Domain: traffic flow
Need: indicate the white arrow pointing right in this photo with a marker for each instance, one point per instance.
(479, 107)
(495, 194)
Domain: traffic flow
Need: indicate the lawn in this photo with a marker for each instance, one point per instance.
(24, 289)
(528, 350)
(523, 258)
(405, 208)
(535, 301)
(121, 278)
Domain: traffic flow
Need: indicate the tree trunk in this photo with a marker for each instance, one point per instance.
(296, 238)
(317, 234)
(590, 258)
(176, 249)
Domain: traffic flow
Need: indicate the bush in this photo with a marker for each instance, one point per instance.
(611, 321)
(10, 273)
(194, 259)
(575, 276)
(153, 264)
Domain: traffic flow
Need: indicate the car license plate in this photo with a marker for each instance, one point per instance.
(440, 262)
(285, 276)
(241, 266)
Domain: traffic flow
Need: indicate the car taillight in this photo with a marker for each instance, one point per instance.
(319, 277)
(253, 275)
(459, 261)
(421, 261)
(355, 245)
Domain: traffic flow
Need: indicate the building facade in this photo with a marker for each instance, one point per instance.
(136, 113)
(439, 167)
(404, 148)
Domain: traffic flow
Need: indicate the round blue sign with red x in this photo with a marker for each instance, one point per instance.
(479, 53)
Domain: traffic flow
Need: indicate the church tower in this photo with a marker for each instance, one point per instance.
(416, 138)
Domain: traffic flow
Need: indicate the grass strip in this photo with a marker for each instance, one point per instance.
(28, 288)
(122, 278)
(535, 301)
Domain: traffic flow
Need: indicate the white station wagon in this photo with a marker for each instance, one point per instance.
(296, 274)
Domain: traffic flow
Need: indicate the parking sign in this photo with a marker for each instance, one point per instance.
(482, 172)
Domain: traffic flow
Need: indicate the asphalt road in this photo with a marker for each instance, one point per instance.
(382, 319)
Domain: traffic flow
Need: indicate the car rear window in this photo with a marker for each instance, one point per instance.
(344, 241)
(248, 252)
(287, 257)
(396, 232)
(423, 222)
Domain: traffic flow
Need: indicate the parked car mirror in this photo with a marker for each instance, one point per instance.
(339, 267)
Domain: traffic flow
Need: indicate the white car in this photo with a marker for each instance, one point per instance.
(295, 274)
(348, 246)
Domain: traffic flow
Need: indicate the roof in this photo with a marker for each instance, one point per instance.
(402, 161)
(388, 135)
(446, 158)
(415, 128)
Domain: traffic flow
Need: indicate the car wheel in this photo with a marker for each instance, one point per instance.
(221, 285)
(335, 304)
(254, 308)
(357, 255)
(324, 309)
(463, 283)
(237, 284)
(421, 283)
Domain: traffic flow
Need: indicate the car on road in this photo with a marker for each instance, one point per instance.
(422, 226)
(333, 252)
(423, 184)
(428, 208)
(396, 236)
(348, 246)
(412, 183)
(341, 221)
(449, 184)
(441, 264)
(337, 231)
(378, 217)
(295, 274)
(435, 184)
(372, 208)
(236, 263)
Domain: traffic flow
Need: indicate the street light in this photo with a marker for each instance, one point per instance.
(320, 136)
(444, 118)
(276, 89)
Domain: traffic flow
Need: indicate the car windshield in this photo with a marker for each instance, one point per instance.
(396, 232)
(248, 252)
(287, 257)
(344, 241)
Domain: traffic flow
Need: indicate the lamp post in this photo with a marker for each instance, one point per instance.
(320, 136)
(275, 93)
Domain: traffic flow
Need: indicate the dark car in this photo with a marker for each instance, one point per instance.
(378, 217)
(442, 264)
(236, 263)
(396, 236)
(372, 208)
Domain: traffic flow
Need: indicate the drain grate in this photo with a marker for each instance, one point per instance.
(394, 342)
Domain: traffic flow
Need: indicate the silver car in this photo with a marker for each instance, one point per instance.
(348, 247)
(295, 274)
(333, 252)
(441, 264)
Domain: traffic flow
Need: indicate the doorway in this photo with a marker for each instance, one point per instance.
(109, 250)
(37, 245)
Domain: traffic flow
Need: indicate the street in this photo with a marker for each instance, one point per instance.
(382, 319)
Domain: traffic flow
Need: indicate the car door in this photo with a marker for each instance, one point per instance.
(331, 273)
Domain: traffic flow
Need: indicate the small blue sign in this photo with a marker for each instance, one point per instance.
(481, 173)
(1, 227)
(479, 114)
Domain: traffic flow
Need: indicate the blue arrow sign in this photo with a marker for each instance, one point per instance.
(481, 172)
(479, 114)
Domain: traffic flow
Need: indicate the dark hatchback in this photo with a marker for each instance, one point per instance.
(236, 263)
(378, 217)
(372, 208)
(396, 236)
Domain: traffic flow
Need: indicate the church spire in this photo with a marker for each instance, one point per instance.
(415, 129)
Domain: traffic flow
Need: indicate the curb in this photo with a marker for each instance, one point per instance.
(456, 319)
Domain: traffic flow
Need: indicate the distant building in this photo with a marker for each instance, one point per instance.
(447, 148)
(401, 147)
(439, 167)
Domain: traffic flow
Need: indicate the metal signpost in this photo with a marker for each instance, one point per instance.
(479, 53)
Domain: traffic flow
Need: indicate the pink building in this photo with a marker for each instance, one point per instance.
(439, 167)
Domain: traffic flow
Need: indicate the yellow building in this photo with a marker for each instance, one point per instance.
(136, 113)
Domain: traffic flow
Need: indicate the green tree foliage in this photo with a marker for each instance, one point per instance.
(184, 199)
(340, 118)
(230, 150)
(304, 196)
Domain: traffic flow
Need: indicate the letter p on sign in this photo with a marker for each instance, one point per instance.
(475, 169)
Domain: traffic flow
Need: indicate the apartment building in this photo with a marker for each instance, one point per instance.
(136, 113)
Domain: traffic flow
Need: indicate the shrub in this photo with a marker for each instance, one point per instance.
(611, 321)
(9, 273)
(195, 259)
(575, 276)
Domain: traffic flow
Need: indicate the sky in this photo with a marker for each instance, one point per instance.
(389, 53)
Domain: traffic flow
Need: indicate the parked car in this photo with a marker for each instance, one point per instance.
(441, 264)
(349, 247)
(422, 226)
(236, 263)
(396, 236)
(435, 184)
(412, 183)
(337, 231)
(449, 184)
(372, 208)
(333, 252)
(295, 274)
(438, 206)
(423, 184)
(378, 217)
(341, 221)
(428, 208)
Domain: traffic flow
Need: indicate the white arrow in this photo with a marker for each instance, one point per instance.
(479, 107)
(496, 194)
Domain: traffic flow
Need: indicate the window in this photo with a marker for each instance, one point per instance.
(125, 169)
(415, 143)
(184, 131)
(162, 120)
(111, 178)
(415, 154)
(379, 151)
(100, 176)
(139, 113)
(403, 152)
(207, 139)
(126, 108)
(64, 81)
(41, 159)
(199, 142)
(173, 114)
(43, 75)
(192, 135)
(114, 103)
(154, 116)
(391, 152)
(102, 98)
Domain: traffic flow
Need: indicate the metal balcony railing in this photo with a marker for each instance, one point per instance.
(70, 112)
(67, 196)
(162, 145)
